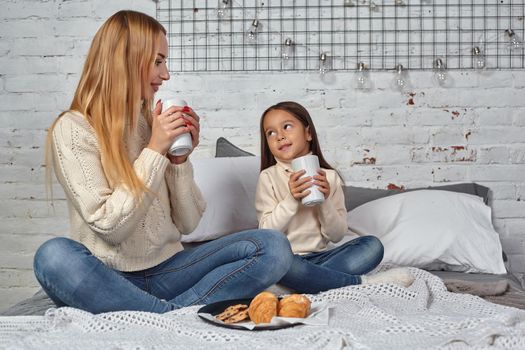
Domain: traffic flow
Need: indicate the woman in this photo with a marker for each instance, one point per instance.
(130, 201)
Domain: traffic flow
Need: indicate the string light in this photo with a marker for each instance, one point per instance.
(514, 41)
(478, 58)
(223, 8)
(287, 49)
(400, 81)
(440, 72)
(324, 63)
(361, 79)
(251, 34)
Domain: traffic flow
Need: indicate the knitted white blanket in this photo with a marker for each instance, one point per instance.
(424, 316)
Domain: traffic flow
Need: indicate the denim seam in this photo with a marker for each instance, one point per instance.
(199, 259)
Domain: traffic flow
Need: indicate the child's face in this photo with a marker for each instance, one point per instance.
(286, 136)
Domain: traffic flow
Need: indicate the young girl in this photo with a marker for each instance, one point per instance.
(287, 132)
(130, 201)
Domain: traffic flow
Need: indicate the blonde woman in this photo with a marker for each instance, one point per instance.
(130, 201)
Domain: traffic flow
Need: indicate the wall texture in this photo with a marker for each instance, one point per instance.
(473, 131)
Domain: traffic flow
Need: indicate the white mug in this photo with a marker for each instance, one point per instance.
(310, 163)
(182, 144)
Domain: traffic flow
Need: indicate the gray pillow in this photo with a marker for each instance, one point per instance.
(225, 148)
(356, 196)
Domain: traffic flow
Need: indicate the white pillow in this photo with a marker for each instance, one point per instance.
(228, 185)
(432, 229)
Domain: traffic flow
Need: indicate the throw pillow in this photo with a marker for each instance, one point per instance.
(432, 229)
(228, 186)
(224, 148)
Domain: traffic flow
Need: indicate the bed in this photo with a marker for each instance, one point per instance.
(461, 297)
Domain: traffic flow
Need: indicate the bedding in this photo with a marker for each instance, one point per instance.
(423, 316)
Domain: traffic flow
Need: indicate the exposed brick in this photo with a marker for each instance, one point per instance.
(494, 116)
(26, 28)
(494, 155)
(508, 208)
(511, 173)
(11, 296)
(517, 154)
(447, 154)
(519, 118)
(450, 173)
(10, 278)
(52, 225)
(35, 83)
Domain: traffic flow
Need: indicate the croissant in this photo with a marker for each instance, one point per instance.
(263, 307)
(295, 305)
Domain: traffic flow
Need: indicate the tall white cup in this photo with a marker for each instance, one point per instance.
(310, 163)
(182, 144)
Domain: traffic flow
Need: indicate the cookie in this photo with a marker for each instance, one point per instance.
(230, 311)
(238, 317)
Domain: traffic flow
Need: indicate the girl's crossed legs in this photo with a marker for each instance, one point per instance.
(335, 268)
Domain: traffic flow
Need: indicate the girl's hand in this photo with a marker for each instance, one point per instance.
(322, 183)
(299, 186)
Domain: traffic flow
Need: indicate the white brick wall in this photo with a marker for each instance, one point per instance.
(474, 131)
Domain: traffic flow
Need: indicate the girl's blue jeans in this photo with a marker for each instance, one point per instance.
(239, 265)
(335, 268)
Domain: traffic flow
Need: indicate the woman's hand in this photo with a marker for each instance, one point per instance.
(322, 183)
(167, 125)
(192, 123)
(299, 186)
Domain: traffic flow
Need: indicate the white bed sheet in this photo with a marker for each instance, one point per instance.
(423, 316)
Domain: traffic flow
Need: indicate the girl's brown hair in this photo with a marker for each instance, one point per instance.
(109, 93)
(299, 112)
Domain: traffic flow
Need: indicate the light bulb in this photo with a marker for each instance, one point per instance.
(362, 80)
(324, 63)
(440, 72)
(478, 59)
(223, 8)
(251, 34)
(514, 40)
(348, 3)
(400, 81)
(373, 6)
(287, 49)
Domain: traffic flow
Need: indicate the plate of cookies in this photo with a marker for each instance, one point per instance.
(264, 312)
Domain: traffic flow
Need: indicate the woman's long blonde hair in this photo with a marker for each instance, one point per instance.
(109, 93)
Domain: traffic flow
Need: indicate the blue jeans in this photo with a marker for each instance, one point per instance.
(239, 265)
(335, 268)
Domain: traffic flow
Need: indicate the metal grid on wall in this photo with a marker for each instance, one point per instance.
(379, 33)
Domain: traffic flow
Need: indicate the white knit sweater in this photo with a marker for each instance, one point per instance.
(106, 218)
(309, 229)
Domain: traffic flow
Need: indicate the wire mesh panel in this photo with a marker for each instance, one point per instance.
(270, 35)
